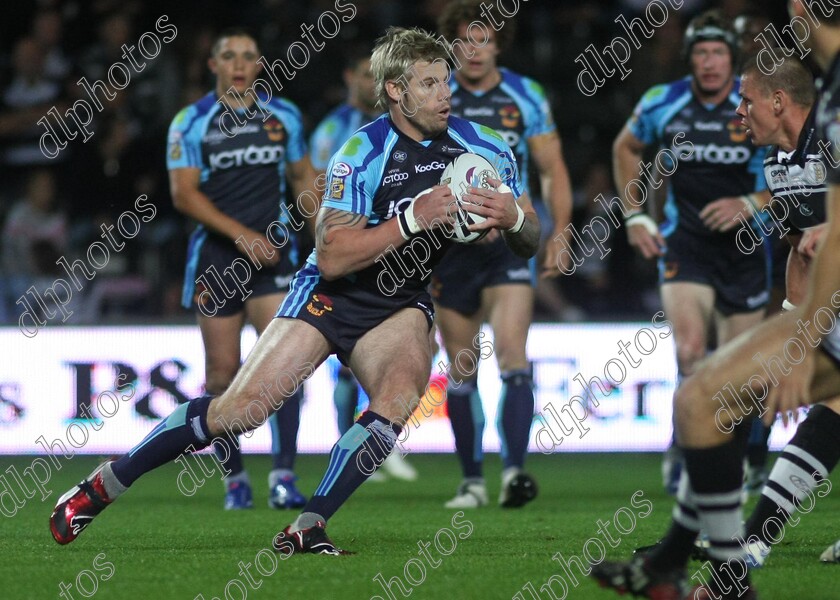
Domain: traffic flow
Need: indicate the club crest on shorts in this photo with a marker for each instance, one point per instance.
(319, 305)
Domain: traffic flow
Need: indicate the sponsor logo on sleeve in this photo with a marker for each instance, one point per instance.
(341, 169)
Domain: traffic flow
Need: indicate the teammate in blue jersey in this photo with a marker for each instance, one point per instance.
(228, 173)
(790, 361)
(361, 295)
(359, 109)
(330, 134)
(487, 282)
(714, 174)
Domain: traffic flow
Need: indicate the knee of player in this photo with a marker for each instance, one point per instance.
(463, 365)
(691, 402)
(689, 352)
(510, 356)
(217, 381)
(238, 414)
(219, 372)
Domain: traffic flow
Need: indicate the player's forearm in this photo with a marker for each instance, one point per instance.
(302, 180)
(824, 279)
(345, 248)
(555, 183)
(558, 189)
(526, 241)
(758, 200)
(626, 161)
(197, 206)
(796, 277)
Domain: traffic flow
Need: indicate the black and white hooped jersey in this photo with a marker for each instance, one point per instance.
(798, 177)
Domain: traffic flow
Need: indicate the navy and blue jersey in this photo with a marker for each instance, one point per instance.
(715, 156)
(335, 129)
(517, 108)
(243, 174)
(798, 177)
(376, 173)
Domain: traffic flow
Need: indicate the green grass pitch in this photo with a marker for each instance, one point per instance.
(155, 543)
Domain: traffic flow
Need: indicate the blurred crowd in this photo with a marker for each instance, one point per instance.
(54, 207)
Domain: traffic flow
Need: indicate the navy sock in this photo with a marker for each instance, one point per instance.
(757, 449)
(467, 418)
(345, 398)
(229, 454)
(185, 429)
(356, 455)
(515, 416)
(284, 431)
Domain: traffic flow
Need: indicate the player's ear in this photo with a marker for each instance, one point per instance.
(394, 89)
(779, 101)
(795, 8)
(211, 64)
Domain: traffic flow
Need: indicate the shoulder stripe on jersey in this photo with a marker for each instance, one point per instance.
(204, 108)
(465, 133)
(674, 107)
(374, 167)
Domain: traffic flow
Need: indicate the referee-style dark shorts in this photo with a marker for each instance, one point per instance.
(467, 269)
(741, 281)
(218, 276)
(343, 314)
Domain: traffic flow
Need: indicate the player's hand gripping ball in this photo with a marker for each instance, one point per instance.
(468, 170)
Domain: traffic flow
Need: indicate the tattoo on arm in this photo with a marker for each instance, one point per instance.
(331, 219)
(527, 241)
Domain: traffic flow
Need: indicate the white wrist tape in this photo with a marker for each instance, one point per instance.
(406, 221)
(748, 201)
(520, 220)
(787, 305)
(645, 221)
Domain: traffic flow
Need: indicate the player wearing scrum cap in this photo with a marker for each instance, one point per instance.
(778, 109)
(705, 279)
(804, 346)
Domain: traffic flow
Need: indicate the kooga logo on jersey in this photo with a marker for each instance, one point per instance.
(432, 166)
(252, 155)
(724, 155)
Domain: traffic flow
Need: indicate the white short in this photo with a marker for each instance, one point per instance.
(831, 343)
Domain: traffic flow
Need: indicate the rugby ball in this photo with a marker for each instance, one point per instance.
(467, 170)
